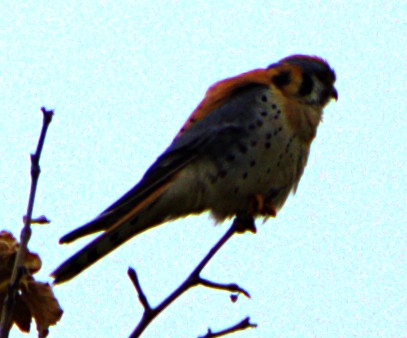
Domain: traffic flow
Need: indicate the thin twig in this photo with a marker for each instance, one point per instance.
(243, 325)
(18, 270)
(240, 225)
(232, 287)
(142, 297)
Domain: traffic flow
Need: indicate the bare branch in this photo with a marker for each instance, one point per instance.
(241, 224)
(243, 325)
(18, 270)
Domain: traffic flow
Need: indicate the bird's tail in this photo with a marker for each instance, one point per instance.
(121, 222)
(97, 249)
(158, 197)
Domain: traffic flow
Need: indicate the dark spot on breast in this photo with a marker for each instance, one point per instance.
(242, 148)
(268, 136)
(276, 131)
(230, 157)
(213, 178)
(288, 145)
(223, 173)
(278, 112)
(252, 163)
(192, 120)
(267, 145)
(252, 126)
(259, 123)
(263, 113)
(244, 175)
(306, 86)
(236, 190)
(273, 106)
(264, 98)
(268, 170)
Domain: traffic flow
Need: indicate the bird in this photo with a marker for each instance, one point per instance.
(241, 152)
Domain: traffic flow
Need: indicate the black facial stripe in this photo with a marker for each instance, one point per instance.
(306, 86)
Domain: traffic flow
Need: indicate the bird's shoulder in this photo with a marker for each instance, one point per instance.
(282, 82)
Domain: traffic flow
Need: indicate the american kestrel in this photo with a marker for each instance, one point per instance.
(241, 152)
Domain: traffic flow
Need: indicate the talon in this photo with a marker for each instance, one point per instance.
(257, 205)
(260, 202)
(270, 209)
(262, 206)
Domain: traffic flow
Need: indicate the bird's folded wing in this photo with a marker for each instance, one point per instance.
(159, 176)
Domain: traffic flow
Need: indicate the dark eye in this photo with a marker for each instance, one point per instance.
(327, 76)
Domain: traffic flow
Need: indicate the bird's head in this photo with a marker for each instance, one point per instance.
(309, 79)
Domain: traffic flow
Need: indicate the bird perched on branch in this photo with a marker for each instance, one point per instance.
(241, 152)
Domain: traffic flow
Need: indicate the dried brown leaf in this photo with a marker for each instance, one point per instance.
(34, 299)
(43, 305)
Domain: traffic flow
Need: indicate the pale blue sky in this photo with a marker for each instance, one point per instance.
(122, 79)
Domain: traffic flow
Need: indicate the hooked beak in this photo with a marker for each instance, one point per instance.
(334, 94)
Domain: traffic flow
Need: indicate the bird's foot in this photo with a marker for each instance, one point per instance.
(244, 222)
(263, 206)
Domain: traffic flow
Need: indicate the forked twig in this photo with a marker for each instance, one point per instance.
(18, 269)
(240, 224)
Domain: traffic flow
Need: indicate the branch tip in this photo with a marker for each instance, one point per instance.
(242, 325)
(47, 114)
(232, 287)
(141, 295)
